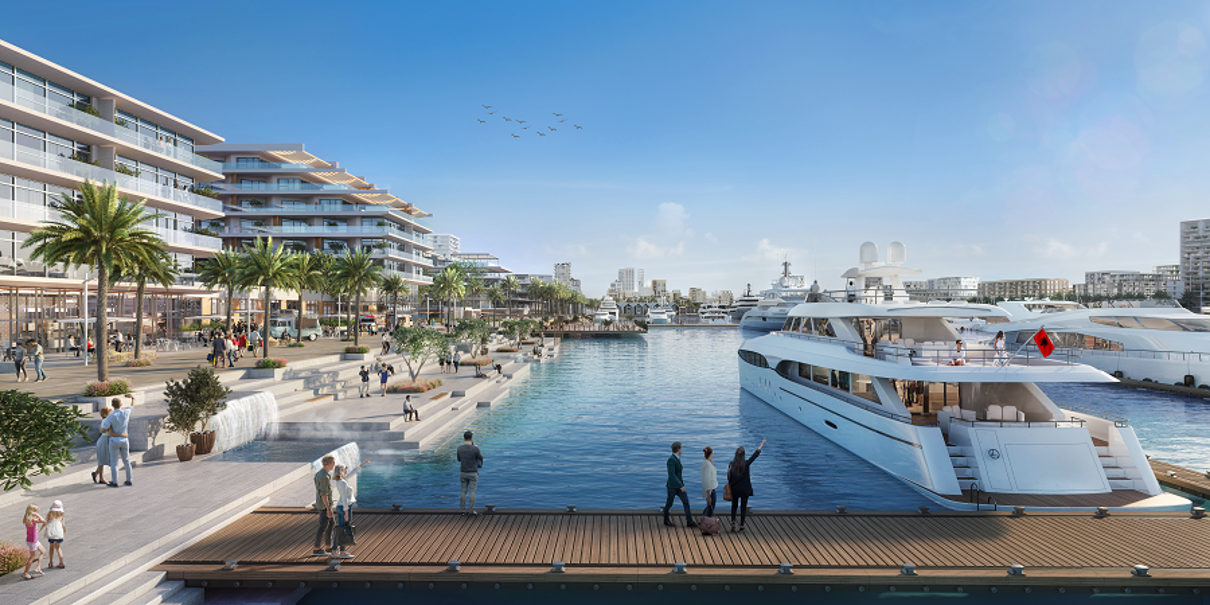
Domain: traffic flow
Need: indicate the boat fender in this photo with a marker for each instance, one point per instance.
(1118, 374)
(1189, 380)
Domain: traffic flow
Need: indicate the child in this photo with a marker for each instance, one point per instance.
(31, 521)
(56, 529)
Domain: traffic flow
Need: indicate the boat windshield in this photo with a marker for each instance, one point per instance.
(1192, 324)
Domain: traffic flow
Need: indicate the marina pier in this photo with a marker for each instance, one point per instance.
(949, 552)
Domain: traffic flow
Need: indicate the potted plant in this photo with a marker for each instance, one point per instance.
(181, 419)
(204, 396)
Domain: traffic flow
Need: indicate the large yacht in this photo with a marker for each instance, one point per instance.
(660, 313)
(745, 303)
(607, 311)
(1160, 342)
(879, 377)
(712, 313)
(775, 303)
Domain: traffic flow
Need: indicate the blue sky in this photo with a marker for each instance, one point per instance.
(1003, 140)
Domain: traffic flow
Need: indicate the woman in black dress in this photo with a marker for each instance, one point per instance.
(740, 481)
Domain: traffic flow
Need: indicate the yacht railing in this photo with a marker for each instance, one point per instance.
(1117, 421)
(1149, 354)
(924, 354)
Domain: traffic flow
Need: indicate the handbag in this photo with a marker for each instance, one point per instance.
(209, 357)
(350, 534)
(727, 492)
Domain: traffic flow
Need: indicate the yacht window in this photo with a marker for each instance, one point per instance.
(1193, 325)
(804, 371)
(863, 387)
(824, 328)
(1158, 323)
(840, 380)
(791, 323)
(820, 375)
(753, 358)
(1105, 321)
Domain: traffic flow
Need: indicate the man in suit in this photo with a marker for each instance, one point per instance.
(676, 487)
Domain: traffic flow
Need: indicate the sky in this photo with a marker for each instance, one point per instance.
(994, 139)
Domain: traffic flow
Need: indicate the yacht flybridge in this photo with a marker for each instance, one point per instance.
(775, 303)
(745, 303)
(884, 378)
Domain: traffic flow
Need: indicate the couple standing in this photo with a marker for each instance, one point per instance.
(739, 481)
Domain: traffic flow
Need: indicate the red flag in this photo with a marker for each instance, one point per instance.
(1043, 342)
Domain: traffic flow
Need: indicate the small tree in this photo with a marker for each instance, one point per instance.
(418, 344)
(474, 332)
(36, 437)
(201, 397)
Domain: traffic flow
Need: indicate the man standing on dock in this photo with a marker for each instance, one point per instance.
(471, 460)
(323, 505)
(676, 487)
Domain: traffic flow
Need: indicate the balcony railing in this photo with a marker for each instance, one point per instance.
(318, 208)
(303, 229)
(38, 213)
(91, 122)
(49, 161)
(238, 166)
(287, 187)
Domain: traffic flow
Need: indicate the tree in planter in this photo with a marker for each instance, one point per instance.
(476, 333)
(36, 437)
(418, 344)
(308, 275)
(202, 396)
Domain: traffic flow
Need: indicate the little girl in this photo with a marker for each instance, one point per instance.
(31, 521)
(56, 529)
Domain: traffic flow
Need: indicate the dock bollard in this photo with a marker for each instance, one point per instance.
(1102, 511)
(396, 507)
(1199, 512)
(785, 569)
(679, 567)
(908, 570)
(491, 508)
(455, 566)
(1016, 570)
(1018, 511)
(571, 508)
(924, 510)
(556, 567)
(333, 565)
(231, 564)
(1141, 571)
(841, 509)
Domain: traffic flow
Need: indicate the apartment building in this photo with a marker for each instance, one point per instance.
(1019, 289)
(1164, 278)
(659, 287)
(306, 203)
(59, 128)
(1195, 258)
(445, 245)
(958, 287)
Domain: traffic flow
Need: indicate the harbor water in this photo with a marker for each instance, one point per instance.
(594, 428)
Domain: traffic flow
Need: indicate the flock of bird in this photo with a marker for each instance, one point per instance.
(537, 129)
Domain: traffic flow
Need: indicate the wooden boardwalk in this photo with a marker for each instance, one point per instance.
(1186, 480)
(607, 545)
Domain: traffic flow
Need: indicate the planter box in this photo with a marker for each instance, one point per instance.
(355, 356)
(99, 402)
(275, 374)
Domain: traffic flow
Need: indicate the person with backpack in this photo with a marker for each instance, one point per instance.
(739, 480)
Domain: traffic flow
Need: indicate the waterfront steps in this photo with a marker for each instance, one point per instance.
(611, 549)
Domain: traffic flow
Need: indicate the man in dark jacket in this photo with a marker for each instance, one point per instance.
(676, 487)
(470, 460)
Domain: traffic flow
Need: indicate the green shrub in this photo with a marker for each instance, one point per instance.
(86, 108)
(271, 363)
(507, 350)
(355, 350)
(141, 362)
(296, 345)
(117, 386)
(419, 386)
(476, 361)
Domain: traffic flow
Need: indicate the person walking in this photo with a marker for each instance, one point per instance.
(219, 347)
(384, 373)
(457, 360)
(119, 446)
(32, 520)
(386, 344)
(740, 480)
(324, 505)
(98, 476)
(709, 481)
(471, 460)
(365, 382)
(345, 499)
(39, 356)
(676, 487)
(56, 531)
(253, 340)
(19, 363)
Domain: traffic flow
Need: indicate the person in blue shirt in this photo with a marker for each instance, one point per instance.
(115, 425)
(383, 375)
(676, 487)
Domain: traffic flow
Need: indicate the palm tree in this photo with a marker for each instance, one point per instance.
(100, 231)
(474, 286)
(267, 266)
(450, 284)
(392, 286)
(496, 295)
(309, 274)
(359, 274)
(537, 289)
(164, 272)
(222, 271)
(510, 284)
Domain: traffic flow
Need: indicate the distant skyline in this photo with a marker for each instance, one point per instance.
(998, 140)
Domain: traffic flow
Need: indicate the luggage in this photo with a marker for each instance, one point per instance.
(709, 526)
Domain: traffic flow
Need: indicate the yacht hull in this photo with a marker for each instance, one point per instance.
(758, 321)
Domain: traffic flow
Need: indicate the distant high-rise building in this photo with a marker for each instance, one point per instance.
(1195, 258)
(723, 297)
(563, 276)
(445, 245)
(1165, 278)
(630, 281)
(1018, 289)
(640, 286)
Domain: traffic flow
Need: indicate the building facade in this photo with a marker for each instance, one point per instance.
(58, 129)
(659, 287)
(1195, 259)
(1019, 289)
(1137, 284)
(943, 288)
(305, 204)
(563, 276)
(445, 245)
(697, 295)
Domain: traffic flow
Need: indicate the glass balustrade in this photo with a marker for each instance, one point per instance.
(48, 161)
(19, 97)
(238, 166)
(38, 213)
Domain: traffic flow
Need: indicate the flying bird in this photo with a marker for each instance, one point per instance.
(481, 121)
(516, 137)
(520, 121)
(487, 106)
(558, 115)
(563, 120)
(506, 119)
(491, 113)
(577, 127)
(525, 128)
(552, 129)
(541, 134)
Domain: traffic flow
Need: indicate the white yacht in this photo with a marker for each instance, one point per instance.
(607, 311)
(660, 313)
(745, 303)
(878, 377)
(775, 303)
(1158, 342)
(712, 313)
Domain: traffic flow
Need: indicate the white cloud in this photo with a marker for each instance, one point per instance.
(766, 251)
(643, 249)
(710, 237)
(1060, 250)
(671, 219)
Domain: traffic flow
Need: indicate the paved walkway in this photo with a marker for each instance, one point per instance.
(67, 377)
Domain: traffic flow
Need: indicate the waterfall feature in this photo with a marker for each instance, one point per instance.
(349, 455)
(245, 419)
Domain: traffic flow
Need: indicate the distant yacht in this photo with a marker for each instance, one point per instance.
(882, 377)
(712, 313)
(1161, 342)
(660, 313)
(746, 303)
(775, 303)
(607, 311)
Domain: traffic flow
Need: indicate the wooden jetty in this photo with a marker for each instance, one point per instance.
(1183, 479)
(951, 552)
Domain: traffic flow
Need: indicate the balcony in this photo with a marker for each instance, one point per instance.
(394, 254)
(38, 213)
(257, 166)
(303, 230)
(286, 187)
(372, 209)
(81, 170)
(105, 127)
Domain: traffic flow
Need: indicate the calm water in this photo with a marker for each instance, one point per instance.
(593, 429)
